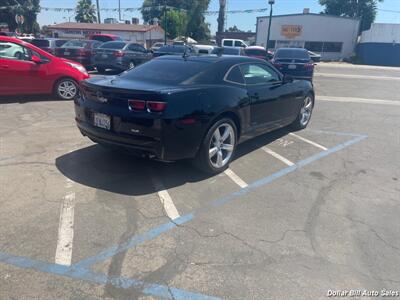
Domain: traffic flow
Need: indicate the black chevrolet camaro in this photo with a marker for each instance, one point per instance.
(199, 107)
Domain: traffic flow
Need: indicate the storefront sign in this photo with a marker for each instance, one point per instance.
(291, 31)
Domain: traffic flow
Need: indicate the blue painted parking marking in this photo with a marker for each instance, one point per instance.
(82, 271)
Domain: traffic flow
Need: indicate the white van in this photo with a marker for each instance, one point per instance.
(234, 43)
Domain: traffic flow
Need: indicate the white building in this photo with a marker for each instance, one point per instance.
(331, 36)
(380, 45)
(142, 34)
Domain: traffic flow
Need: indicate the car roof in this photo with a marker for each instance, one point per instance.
(255, 48)
(234, 59)
(297, 49)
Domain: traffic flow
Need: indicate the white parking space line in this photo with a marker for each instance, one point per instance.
(308, 141)
(235, 178)
(358, 100)
(165, 199)
(65, 231)
(334, 75)
(278, 156)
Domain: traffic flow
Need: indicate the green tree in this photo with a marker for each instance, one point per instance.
(365, 10)
(28, 8)
(234, 29)
(85, 12)
(194, 10)
(176, 23)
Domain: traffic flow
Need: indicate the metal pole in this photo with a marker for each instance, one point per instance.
(269, 27)
(165, 22)
(98, 11)
(119, 9)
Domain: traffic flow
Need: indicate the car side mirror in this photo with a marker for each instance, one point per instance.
(287, 79)
(36, 59)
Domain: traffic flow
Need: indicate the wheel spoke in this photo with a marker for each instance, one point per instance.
(226, 134)
(227, 147)
(217, 135)
(219, 159)
(213, 151)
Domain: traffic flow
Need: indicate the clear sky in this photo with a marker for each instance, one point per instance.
(245, 21)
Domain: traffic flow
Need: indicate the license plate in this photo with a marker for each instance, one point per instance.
(292, 67)
(102, 121)
(67, 53)
(104, 56)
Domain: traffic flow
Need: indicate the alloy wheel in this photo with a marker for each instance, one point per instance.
(306, 110)
(221, 146)
(67, 89)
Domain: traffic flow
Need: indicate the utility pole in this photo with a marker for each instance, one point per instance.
(221, 20)
(98, 11)
(119, 10)
(271, 2)
(165, 22)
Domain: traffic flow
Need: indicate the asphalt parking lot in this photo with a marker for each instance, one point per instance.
(297, 215)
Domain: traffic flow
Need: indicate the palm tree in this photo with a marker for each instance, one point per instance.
(85, 12)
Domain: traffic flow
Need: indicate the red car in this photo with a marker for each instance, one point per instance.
(26, 69)
(105, 37)
(258, 52)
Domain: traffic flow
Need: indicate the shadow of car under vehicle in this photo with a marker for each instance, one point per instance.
(121, 173)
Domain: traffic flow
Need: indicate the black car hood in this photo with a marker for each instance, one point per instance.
(117, 82)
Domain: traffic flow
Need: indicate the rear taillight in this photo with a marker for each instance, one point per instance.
(156, 106)
(276, 64)
(137, 105)
(309, 66)
(119, 53)
(151, 106)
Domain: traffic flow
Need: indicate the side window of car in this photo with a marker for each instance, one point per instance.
(13, 51)
(258, 74)
(238, 44)
(228, 43)
(96, 45)
(235, 75)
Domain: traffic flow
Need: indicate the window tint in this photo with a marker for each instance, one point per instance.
(258, 74)
(113, 45)
(292, 54)
(136, 47)
(41, 43)
(13, 51)
(228, 43)
(238, 44)
(226, 51)
(235, 75)
(257, 52)
(333, 47)
(169, 71)
(75, 44)
(59, 43)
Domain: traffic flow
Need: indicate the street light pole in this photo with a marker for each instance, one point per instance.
(165, 22)
(271, 2)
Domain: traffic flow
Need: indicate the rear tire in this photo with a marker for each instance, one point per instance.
(101, 70)
(304, 116)
(66, 89)
(218, 147)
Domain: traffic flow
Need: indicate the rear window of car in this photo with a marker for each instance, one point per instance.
(113, 45)
(172, 49)
(226, 51)
(292, 53)
(59, 43)
(75, 44)
(257, 52)
(168, 71)
(41, 43)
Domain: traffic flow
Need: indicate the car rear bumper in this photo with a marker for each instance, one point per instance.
(162, 139)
